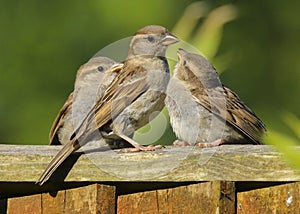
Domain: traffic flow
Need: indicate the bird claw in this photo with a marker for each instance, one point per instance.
(211, 144)
(180, 143)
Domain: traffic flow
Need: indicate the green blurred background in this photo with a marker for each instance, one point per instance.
(255, 45)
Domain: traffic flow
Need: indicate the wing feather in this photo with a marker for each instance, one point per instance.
(237, 113)
(121, 93)
(59, 120)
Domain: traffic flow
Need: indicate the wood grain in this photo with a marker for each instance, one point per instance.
(180, 164)
(277, 199)
(204, 197)
(25, 205)
(89, 199)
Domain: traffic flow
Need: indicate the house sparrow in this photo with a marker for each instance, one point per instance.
(203, 112)
(91, 82)
(137, 92)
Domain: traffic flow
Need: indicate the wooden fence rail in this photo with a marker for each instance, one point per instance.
(225, 179)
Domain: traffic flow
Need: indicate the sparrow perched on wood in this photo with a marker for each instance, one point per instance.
(92, 79)
(137, 92)
(203, 112)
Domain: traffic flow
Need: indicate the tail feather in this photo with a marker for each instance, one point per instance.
(62, 155)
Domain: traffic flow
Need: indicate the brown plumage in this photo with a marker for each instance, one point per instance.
(134, 94)
(209, 99)
(60, 120)
(92, 80)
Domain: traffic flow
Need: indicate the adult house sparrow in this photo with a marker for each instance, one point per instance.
(137, 92)
(92, 79)
(199, 106)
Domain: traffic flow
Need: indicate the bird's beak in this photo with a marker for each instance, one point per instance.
(180, 54)
(169, 39)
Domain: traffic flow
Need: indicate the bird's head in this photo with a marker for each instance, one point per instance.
(193, 66)
(95, 69)
(151, 40)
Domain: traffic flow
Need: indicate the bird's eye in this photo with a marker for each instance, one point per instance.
(184, 63)
(100, 68)
(150, 39)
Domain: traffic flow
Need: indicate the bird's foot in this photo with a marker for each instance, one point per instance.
(140, 148)
(180, 143)
(137, 146)
(211, 144)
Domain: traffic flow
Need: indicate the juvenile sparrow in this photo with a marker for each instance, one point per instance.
(199, 106)
(92, 79)
(134, 94)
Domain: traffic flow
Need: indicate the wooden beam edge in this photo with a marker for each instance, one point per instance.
(171, 164)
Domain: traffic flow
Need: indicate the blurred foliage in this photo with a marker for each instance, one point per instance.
(292, 122)
(254, 44)
(285, 143)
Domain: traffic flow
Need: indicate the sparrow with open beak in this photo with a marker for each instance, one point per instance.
(203, 112)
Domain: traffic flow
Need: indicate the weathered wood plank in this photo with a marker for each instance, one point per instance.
(227, 198)
(25, 205)
(278, 199)
(53, 204)
(204, 197)
(227, 162)
(89, 199)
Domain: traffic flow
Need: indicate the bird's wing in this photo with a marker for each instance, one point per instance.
(103, 114)
(58, 122)
(120, 94)
(237, 113)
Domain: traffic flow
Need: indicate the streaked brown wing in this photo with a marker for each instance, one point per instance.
(124, 96)
(58, 122)
(237, 113)
(117, 97)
